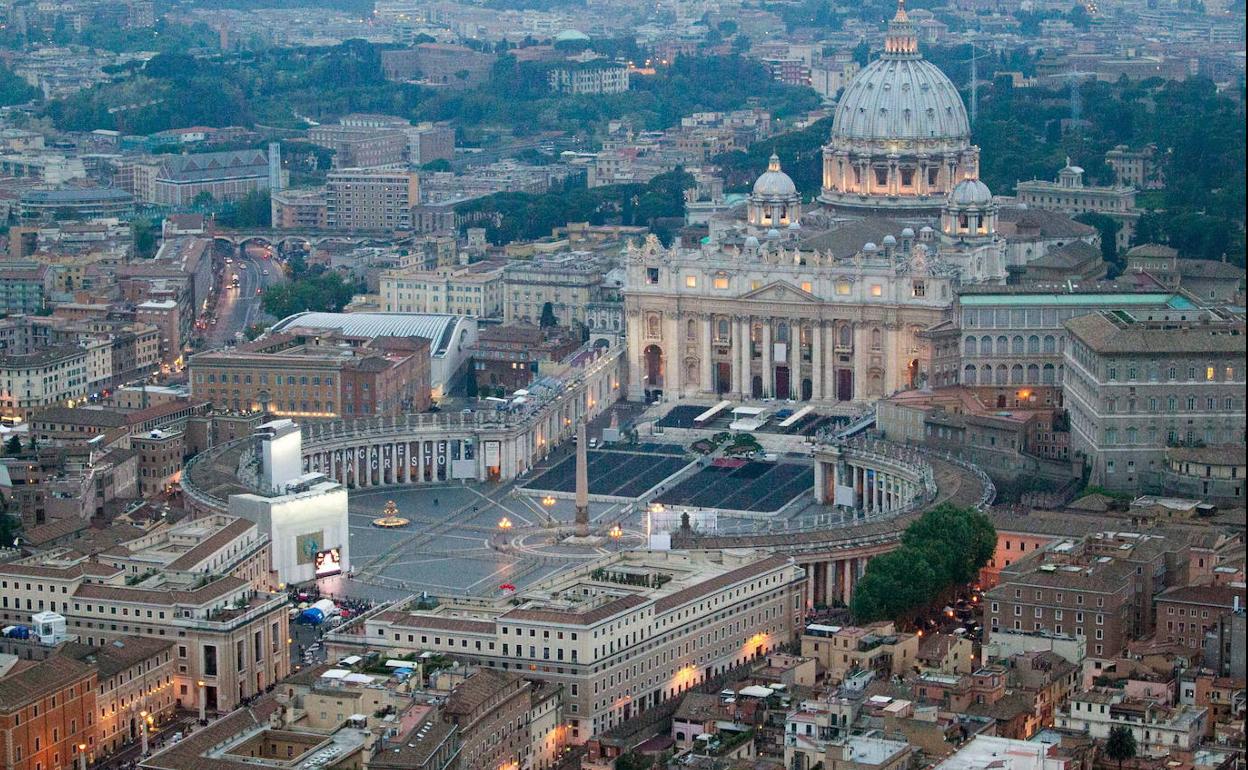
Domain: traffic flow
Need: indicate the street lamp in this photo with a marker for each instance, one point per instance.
(505, 524)
(615, 532)
(82, 756)
(203, 705)
(144, 721)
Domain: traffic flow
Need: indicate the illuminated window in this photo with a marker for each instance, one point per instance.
(806, 286)
(842, 288)
(755, 284)
(721, 282)
(877, 290)
(1209, 373)
(691, 282)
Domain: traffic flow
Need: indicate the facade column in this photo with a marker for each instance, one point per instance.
(742, 364)
(847, 581)
(816, 361)
(821, 476)
(708, 382)
(829, 582)
(879, 492)
(632, 324)
(769, 383)
(674, 366)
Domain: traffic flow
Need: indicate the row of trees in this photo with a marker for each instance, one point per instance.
(524, 216)
(945, 548)
(318, 290)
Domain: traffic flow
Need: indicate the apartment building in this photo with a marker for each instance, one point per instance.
(1158, 729)
(620, 635)
(569, 281)
(134, 675)
(589, 78)
(46, 712)
(230, 639)
(160, 460)
(472, 290)
(24, 286)
(841, 650)
(511, 356)
(1187, 614)
(490, 710)
(1137, 383)
(370, 199)
(361, 146)
(1066, 590)
(298, 209)
(321, 375)
(49, 377)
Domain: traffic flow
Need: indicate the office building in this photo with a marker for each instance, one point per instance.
(370, 199)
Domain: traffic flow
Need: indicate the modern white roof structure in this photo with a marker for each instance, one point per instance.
(985, 752)
(440, 328)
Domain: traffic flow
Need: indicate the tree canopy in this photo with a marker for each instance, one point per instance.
(320, 290)
(944, 548)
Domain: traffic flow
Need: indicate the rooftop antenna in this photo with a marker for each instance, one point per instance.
(974, 60)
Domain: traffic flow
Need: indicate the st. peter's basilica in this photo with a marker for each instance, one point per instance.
(829, 304)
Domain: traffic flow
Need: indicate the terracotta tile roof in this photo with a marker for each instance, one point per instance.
(403, 619)
(479, 689)
(198, 596)
(1210, 596)
(119, 655)
(1101, 333)
(674, 600)
(589, 618)
(42, 679)
(215, 542)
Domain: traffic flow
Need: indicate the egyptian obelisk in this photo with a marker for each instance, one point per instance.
(582, 481)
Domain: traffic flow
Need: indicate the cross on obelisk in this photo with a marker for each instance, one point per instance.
(582, 481)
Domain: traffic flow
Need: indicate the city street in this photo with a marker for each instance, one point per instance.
(239, 308)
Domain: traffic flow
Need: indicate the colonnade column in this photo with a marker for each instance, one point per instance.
(708, 385)
(829, 582)
(846, 581)
(821, 482)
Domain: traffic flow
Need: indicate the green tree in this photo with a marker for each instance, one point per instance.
(144, 237)
(548, 318)
(1120, 745)
(33, 444)
(13, 446)
(441, 164)
(15, 90)
(203, 200)
(1107, 227)
(943, 548)
(10, 527)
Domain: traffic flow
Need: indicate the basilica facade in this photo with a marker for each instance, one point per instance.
(826, 304)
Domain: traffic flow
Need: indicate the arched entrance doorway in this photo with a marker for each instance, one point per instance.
(756, 387)
(808, 389)
(912, 374)
(723, 377)
(653, 371)
(782, 382)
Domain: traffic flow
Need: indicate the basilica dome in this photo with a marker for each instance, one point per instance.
(900, 99)
(900, 137)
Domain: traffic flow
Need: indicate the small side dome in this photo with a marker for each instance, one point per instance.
(926, 229)
(889, 240)
(773, 233)
(774, 183)
(907, 233)
(795, 225)
(751, 242)
(870, 246)
(970, 192)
